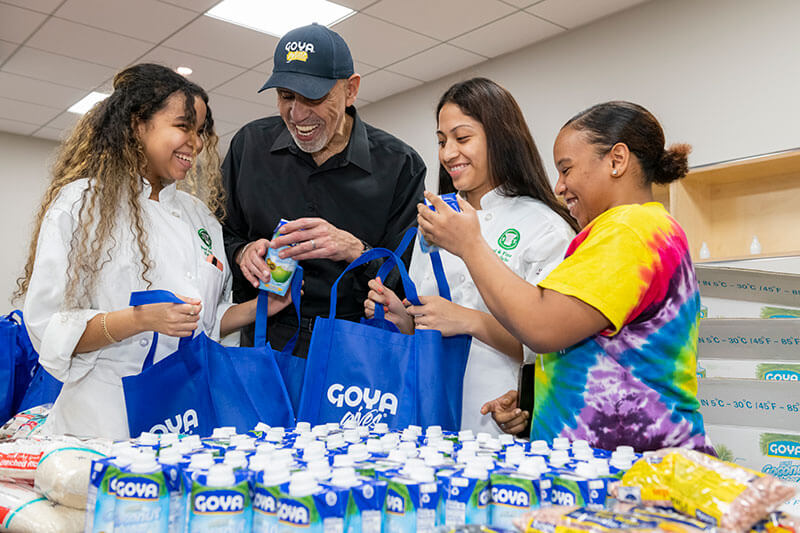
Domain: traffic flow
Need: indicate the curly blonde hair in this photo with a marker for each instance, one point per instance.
(104, 148)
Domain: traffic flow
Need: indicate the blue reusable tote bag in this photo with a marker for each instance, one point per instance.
(292, 368)
(369, 372)
(203, 385)
(9, 353)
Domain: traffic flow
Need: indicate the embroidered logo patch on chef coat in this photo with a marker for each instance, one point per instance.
(206, 238)
(509, 239)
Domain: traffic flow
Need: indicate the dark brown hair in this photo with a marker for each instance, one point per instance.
(624, 122)
(515, 166)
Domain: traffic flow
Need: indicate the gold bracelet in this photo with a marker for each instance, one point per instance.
(110, 339)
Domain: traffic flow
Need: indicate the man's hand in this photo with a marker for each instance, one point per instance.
(316, 238)
(251, 261)
(506, 414)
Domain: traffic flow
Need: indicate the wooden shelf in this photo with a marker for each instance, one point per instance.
(726, 204)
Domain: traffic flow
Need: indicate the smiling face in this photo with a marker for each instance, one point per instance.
(463, 151)
(170, 141)
(584, 177)
(313, 123)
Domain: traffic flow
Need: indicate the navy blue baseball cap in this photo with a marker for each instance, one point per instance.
(309, 60)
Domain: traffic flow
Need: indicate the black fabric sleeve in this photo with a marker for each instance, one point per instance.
(234, 226)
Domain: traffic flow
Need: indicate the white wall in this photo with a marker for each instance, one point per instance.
(24, 173)
(723, 75)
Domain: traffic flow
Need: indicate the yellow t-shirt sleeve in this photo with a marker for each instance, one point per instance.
(610, 270)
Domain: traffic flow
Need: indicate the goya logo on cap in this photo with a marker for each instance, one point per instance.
(292, 512)
(510, 495)
(137, 488)
(219, 502)
(395, 503)
(298, 51)
(264, 502)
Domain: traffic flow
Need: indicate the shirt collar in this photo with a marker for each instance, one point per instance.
(356, 151)
(167, 194)
(491, 199)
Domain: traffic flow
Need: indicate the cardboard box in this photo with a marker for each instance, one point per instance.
(739, 292)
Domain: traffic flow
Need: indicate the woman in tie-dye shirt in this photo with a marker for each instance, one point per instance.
(615, 323)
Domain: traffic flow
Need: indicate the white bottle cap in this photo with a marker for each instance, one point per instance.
(351, 436)
(539, 461)
(396, 456)
(302, 441)
(119, 448)
(506, 439)
(580, 444)
(350, 423)
(194, 440)
(303, 484)
(433, 431)
(409, 435)
(390, 440)
(320, 468)
(412, 464)
(236, 459)
(561, 443)
(320, 431)
(358, 452)
(434, 460)
(530, 467)
(265, 448)
(220, 475)
(147, 439)
(170, 456)
(539, 447)
(261, 427)
(559, 458)
(168, 439)
(224, 432)
(374, 446)
(381, 428)
(335, 441)
(475, 471)
(483, 437)
(466, 435)
(492, 444)
(409, 448)
(201, 461)
(275, 475)
(236, 440)
(471, 445)
(514, 455)
(465, 456)
(363, 432)
(148, 452)
(416, 429)
(445, 446)
(486, 461)
(621, 462)
(344, 477)
(303, 427)
(258, 462)
(582, 454)
(333, 426)
(625, 451)
(343, 460)
(314, 450)
(144, 464)
(274, 435)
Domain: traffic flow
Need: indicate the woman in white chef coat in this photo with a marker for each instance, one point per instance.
(112, 222)
(487, 155)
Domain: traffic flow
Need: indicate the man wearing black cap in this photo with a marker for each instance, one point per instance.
(344, 185)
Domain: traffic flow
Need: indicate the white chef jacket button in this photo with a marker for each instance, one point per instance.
(143, 342)
(188, 275)
(176, 214)
(462, 278)
(488, 217)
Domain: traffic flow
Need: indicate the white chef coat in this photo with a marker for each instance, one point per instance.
(531, 239)
(91, 402)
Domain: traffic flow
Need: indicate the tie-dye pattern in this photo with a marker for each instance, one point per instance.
(634, 384)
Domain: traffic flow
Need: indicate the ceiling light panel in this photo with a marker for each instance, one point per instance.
(276, 17)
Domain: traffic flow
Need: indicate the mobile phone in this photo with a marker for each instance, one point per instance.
(525, 394)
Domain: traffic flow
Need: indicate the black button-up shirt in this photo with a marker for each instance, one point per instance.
(370, 190)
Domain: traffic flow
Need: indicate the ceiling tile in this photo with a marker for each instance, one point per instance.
(26, 112)
(505, 35)
(53, 134)
(264, 68)
(42, 6)
(236, 111)
(205, 72)
(379, 43)
(224, 41)
(442, 19)
(199, 6)
(46, 66)
(573, 13)
(245, 87)
(355, 5)
(363, 68)
(6, 48)
(38, 92)
(382, 83)
(147, 20)
(88, 44)
(18, 23)
(15, 126)
(521, 3)
(437, 62)
(64, 121)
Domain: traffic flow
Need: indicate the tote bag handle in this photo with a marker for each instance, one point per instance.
(262, 312)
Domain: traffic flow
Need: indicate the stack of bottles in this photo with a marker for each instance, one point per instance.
(335, 478)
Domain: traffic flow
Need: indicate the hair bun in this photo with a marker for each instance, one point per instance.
(673, 163)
